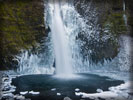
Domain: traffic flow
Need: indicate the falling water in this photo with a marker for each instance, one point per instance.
(124, 15)
(60, 41)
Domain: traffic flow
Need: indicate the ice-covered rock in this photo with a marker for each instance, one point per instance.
(23, 93)
(99, 90)
(58, 94)
(115, 93)
(32, 92)
(77, 89)
(54, 89)
(19, 97)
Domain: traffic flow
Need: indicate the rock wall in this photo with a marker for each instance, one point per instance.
(108, 12)
(106, 16)
(129, 8)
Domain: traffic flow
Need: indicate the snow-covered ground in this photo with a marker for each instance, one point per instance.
(121, 92)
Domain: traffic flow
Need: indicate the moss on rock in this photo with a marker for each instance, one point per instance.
(20, 27)
(115, 23)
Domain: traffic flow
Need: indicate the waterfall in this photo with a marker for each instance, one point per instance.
(60, 43)
(63, 47)
(124, 15)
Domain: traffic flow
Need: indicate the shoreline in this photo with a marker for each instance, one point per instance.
(123, 89)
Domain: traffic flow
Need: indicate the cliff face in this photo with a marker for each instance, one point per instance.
(107, 17)
(129, 9)
(21, 27)
(108, 12)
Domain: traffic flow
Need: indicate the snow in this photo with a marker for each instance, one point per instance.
(19, 97)
(58, 94)
(96, 95)
(54, 89)
(7, 94)
(77, 89)
(115, 93)
(99, 90)
(120, 92)
(23, 93)
(32, 92)
(5, 78)
(7, 87)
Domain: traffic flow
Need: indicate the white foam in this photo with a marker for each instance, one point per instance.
(67, 76)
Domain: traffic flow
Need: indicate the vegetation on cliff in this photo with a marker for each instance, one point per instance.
(106, 16)
(21, 27)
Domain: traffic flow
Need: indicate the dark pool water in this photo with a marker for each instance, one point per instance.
(88, 83)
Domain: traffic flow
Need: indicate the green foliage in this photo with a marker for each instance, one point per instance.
(115, 23)
(20, 26)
